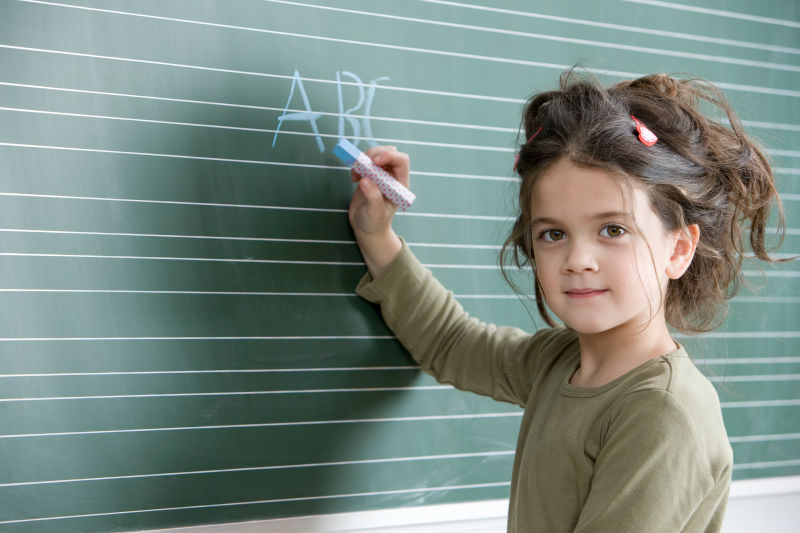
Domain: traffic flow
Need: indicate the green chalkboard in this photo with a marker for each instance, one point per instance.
(180, 342)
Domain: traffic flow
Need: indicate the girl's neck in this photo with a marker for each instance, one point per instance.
(608, 355)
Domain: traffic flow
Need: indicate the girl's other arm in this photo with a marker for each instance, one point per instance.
(656, 472)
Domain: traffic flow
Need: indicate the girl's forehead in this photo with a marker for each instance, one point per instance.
(566, 181)
(567, 190)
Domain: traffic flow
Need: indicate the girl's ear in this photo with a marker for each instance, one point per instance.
(683, 251)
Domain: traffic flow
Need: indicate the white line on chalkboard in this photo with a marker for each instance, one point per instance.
(201, 293)
(555, 38)
(278, 500)
(772, 274)
(231, 260)
(241, 206)
(216, 237)
(748, 360)
(753, 273)
(625, 28)
(748, 123)
(726, 379)
(744, 299)
(771, 125)
(248, 162)
(786, 170)
(255, 206)
(719, 13)
(228, 260)
(789, 231)
(227, 393)
(263, 130)
(520, 62)
(506, 414)
(780, 273)
(212, 259)
(767, 299)
(178, 236)
(777, 170)
(713, 335)
(764, 438)
(242, 293)
(274, 467)
(760, 403)
(215, 371)
(539, 36)
(456, 125)
(176, 156)
(731, 361)
(764, 377)
(240, 338)
(783, 153)
(382, 140)
(740, 335)
(204, 293)
(767, 464)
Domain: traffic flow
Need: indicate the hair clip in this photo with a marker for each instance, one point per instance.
(647, 137)
(516, 159)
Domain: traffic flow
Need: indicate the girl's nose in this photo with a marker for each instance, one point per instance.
(580, 258)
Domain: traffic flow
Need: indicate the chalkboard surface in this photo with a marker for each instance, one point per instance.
(181, 342)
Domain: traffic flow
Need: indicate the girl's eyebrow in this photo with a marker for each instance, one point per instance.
(604, 214)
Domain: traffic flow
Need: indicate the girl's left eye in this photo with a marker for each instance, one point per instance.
(612, 230)
(552, 235)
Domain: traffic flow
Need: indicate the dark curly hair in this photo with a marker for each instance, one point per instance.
(701, 171)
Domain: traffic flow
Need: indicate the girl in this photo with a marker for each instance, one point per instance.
(631, 206)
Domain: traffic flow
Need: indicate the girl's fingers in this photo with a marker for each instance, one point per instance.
(394, 162)
(376, 150)
(372, 153)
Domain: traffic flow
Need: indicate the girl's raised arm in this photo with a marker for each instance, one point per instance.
(371, 214)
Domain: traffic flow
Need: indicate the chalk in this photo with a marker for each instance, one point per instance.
(396, 192)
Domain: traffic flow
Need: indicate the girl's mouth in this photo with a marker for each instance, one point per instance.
(585, 293)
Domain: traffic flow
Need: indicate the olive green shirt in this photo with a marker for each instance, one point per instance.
(646, 452)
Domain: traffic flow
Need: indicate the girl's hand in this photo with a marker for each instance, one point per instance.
(371, 214)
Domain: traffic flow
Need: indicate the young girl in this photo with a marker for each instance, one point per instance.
(631, 207)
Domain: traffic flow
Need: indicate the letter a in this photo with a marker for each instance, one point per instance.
(307, 116)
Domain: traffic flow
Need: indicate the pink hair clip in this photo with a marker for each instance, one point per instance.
(516, 159)
(647, 137)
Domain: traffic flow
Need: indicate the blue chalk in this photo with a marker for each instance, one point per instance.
(346, 151)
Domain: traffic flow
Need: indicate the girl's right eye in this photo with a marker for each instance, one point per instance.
(552, 235)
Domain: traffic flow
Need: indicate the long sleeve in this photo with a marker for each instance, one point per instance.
(652, 473)
(448, 343)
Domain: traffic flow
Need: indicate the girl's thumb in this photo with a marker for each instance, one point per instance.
(371, 191)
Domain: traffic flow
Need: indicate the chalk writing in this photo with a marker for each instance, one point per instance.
(357, 123)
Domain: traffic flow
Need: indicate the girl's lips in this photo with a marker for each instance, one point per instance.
(585, 293)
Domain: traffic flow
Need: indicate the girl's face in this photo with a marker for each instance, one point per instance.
(594, 266)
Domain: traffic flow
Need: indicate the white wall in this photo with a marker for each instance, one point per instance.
(763, 505)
